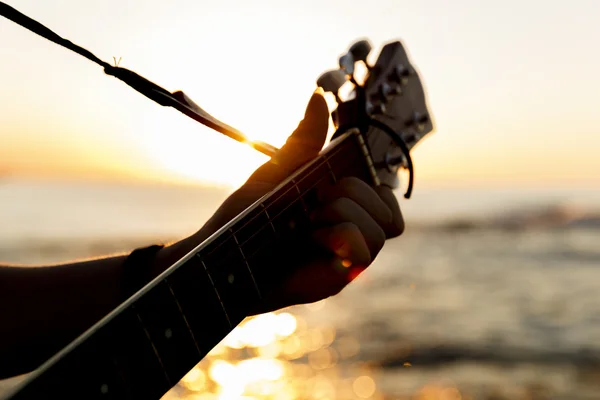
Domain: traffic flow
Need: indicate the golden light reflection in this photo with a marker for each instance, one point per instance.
(348, 346)
(322, 358)
(195, 380)
(438, 392)
(278, 356)
(364, 386)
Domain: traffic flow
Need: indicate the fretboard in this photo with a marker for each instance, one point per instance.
(146, 345)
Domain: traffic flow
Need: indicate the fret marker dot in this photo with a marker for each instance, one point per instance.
(104, 389)
(168, 333)
(230, 278)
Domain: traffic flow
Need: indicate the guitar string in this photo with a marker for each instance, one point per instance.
(326, 160)
(295, 185)
(270, 219)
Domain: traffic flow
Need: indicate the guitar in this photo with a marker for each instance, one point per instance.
(147, 344)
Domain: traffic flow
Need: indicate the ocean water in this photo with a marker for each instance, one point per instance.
(489, 294)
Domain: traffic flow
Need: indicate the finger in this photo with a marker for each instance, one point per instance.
(338, 255)
(345, 210)
(346, 241)
(346, 256)
(303, 144)
(396, 226)
(363, 195)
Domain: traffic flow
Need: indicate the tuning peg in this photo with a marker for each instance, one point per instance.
(387, 90)
(332, 81)
(360, 50)
(400, 74)
(418, 121)
(347, 63)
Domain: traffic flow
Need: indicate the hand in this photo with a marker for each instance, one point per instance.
(354, 219)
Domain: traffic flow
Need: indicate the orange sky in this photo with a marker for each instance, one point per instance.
(513, 85)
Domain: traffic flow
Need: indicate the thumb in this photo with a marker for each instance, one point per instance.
(303, 144)
(308, 139)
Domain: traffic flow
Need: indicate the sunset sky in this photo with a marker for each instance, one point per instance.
(513, 85)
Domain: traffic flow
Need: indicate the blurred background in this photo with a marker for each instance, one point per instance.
(491, 293)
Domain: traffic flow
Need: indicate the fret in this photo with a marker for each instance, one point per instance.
(319, 173)
(168, 331)
(330, 170)
(255, 234)
(117, 362)
(135, 356)
(301, 201)
(265, 238)
(311, 185)
(248, 228)
(200, 304)
(232, 279)
(291, 219)
(216, 242)
(91, 375)
(348, 160)
(266, 212)
(269, 265)
(280, 201)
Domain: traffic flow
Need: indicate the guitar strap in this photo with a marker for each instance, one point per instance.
(178, 100)
(137, 82)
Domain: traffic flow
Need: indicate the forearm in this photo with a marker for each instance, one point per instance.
(45, 308)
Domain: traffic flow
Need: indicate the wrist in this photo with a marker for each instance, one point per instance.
(169, 255)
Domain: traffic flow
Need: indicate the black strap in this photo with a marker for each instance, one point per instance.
(34, 26)
(137, 82)
(178, 100)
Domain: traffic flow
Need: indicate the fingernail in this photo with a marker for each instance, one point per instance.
(319, 90)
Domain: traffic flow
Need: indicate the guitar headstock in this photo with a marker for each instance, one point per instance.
(389, 108)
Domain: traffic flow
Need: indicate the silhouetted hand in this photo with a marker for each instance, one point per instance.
(354, 219)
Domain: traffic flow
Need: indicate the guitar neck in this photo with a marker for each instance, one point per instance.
(146, 345)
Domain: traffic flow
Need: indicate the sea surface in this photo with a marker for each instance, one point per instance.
(489, 294)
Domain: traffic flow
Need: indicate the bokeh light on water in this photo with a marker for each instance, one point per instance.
(279, 356)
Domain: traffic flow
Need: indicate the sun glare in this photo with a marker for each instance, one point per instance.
(266, 104)
(193, 152)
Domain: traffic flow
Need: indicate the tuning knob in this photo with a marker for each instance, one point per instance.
(332, 81)
(418, 121)
(360, 50)
(400, 74)
(347, 63)
(387, 90)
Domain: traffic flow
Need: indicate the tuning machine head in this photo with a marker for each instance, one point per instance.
(346, 63)
(357, 52)
(360, 51)
(332, 81)
(400, 74)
